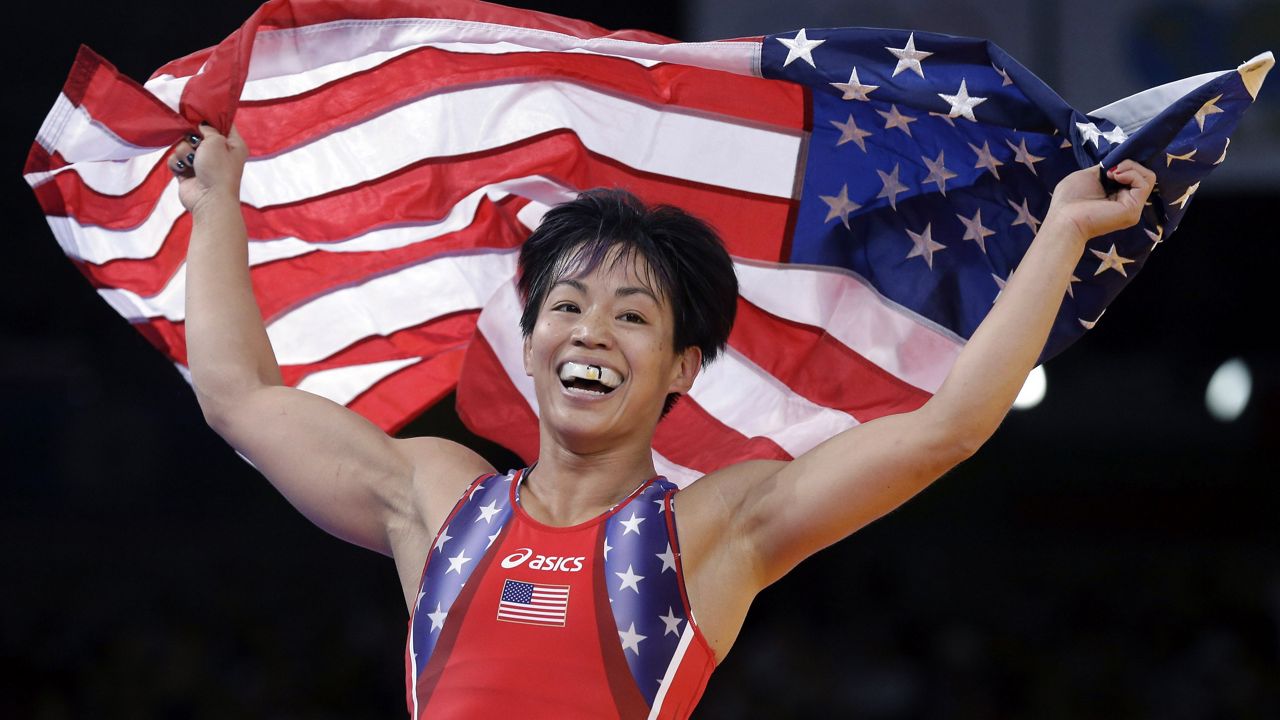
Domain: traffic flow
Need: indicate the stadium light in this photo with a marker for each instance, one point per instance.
(1229, 390)
(1033, 389)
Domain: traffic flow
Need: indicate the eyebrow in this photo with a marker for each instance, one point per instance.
(621, 292)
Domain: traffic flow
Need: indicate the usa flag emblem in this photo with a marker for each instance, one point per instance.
(533, 603)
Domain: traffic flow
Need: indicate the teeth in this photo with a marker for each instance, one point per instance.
(578, 371)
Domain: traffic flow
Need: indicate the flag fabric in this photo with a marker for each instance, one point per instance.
(875, 188)
(533, 603)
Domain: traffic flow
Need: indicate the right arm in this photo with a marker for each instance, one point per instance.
(338, 469)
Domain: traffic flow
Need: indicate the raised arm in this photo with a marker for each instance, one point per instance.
(787, 511)
(338, 469)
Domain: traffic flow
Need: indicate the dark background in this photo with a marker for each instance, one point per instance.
(1110, 553)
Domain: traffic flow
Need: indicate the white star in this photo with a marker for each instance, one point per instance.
(1000, 283)
(607, 548)
(491, 539)
(487, 512)
(961, 104)
(444, 538)
(892, 188)
(662, 505)
(631, 639)
(1088, 324)
(668, 559)
(1206, 110)
(985, 159)
(850, 132)
(1004, 76)
(974, 230)
(924, 246)
(671, 621)
(456, 562)
(1224, 153)
(1170, 157)
(1111, 260)
(1115, 135)
(632, 525)
(1066, 144)
(1090, 132)
(1182, 201)
(908, 57)
(1157, 235)
(629, 579)
(839, 207)
(1024, 156)
(1024, 216)
(437, 618)
(799, 47)
(938, 172)
(895, 119)
(1071, 293)
(854, 89)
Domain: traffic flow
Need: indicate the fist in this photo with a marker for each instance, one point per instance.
(1081, 200)
(209, 165)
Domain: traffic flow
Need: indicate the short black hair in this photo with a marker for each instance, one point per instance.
(685, 260)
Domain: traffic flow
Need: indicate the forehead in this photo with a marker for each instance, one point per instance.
(620, 265)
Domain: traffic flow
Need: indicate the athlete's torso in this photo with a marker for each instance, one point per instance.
(587, 621)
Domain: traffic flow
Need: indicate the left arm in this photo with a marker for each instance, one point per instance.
(787, 511)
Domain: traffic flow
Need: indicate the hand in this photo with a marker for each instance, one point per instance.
(1081, 200)
(208, 167)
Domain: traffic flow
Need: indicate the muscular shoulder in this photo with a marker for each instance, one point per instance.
(442, 469)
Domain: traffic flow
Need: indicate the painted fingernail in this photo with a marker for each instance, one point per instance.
(191, 158)
(193, 139)
(181, 165)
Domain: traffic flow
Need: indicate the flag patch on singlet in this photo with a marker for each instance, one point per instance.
(533, 603)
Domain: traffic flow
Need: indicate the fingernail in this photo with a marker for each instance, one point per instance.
(193, 139)
(181, 165)
(191, 158)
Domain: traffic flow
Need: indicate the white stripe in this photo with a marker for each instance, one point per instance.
(344, 384)
(898, 340)
(69, 130)
(499, 323)
(385, 304)
(664, 141)
(289, 61)
(686, 637)
(740, 394)
(96, 244)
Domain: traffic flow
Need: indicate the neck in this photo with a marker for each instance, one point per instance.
(567, 487)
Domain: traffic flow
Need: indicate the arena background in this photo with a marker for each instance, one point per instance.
(1112, 552)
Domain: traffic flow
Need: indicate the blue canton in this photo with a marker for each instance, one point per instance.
(931, 160)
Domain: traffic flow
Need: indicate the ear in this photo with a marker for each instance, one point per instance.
(689, 363)
(528, 354)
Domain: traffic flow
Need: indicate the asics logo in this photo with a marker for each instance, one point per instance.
(552, 563)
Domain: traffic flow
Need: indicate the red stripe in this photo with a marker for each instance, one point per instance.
(804, 357)
(279, 124)
(393, 402)
(491, 406)
(118, 102)
(439, 335)
(691, 437)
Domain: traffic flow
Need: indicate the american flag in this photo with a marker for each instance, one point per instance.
(875, 187)
(533, 603)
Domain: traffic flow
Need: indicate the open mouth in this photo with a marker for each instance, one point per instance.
(594, 379)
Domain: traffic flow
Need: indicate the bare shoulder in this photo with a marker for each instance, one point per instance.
(724, 490)
(442, 469)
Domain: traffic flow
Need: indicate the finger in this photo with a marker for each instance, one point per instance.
(209, 132)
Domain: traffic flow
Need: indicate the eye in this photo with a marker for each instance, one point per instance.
(565, 306)
(632, 317)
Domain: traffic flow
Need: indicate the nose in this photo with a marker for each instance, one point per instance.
(592, 330)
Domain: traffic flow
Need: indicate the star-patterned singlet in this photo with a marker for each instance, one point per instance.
(588, 621)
